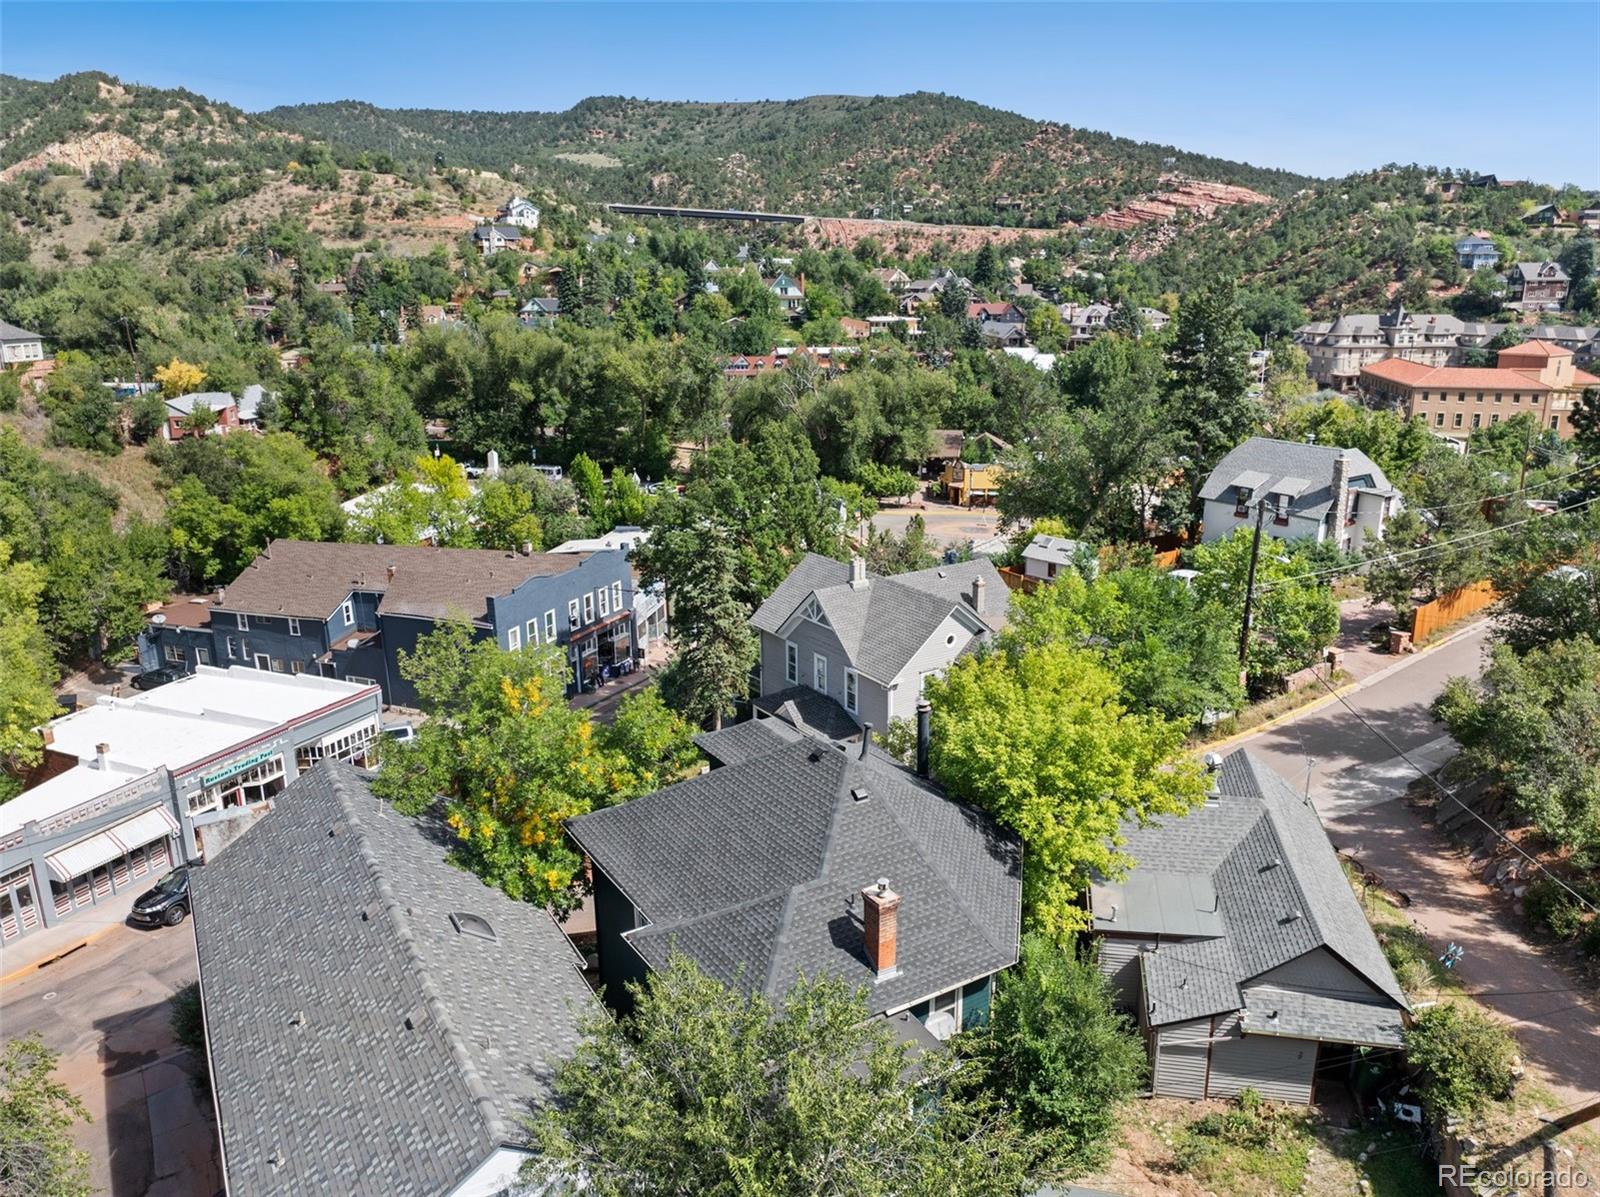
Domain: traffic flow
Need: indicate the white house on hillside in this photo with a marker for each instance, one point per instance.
(519, 211)
(1317, 491)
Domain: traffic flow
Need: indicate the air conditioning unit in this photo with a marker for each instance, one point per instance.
(941, 1024)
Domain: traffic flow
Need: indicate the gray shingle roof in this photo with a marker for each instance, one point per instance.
(10, 334)
(741, 741)
(1054, 550)
(1294, 462)
(883, 624)
(1549, 272)
(336, 911)
(1279, 890)
(755, 871)
(806, 709)
(309, 580)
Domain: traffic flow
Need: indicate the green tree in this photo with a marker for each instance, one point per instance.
(1532, 725)
(83, 413)
(710, 1091)
(1040, 738)
(650, 744)
(37, 1114)
(511, 759)
(590, 485)
(504, 514)
(1466, 1059)
(1060, 1056)
(716, 650)
(888, 554)
(27, 670)
(1295, 615)
(1209, 381)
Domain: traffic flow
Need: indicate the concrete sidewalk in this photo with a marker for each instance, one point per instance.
(50, 943)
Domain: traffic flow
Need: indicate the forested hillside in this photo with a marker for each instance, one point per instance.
(948, 158)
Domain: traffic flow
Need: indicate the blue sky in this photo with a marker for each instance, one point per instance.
(1319, 88)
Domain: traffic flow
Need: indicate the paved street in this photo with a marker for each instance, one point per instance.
(105, 1008)
(947, 525)
(1356, 784)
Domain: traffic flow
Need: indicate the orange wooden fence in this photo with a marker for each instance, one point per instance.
(1019, 581)
(1448, 608)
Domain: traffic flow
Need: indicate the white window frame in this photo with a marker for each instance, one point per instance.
(358, 680)
(277, 664)
(202, 655)
(852, 691)
(173, 654)
(588, 607)
(294, 626)
(233, 654)
(533, 633)
(348, 610)
(616, 596)
(297, 666)
(242, 621)
(550, 626)
(605, 601)
(819, 670)
(514, 638)
(791, 662)
(572, 613)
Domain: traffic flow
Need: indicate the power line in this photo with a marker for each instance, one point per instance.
(1510, 493)
(1433, 547)
(1438, 785)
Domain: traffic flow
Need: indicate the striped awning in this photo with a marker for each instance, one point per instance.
(78, 859)
(154, 824)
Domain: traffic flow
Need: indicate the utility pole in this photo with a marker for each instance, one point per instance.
(1527, 451)
(1250, 588)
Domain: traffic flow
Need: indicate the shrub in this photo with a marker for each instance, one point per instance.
(1553, 909)
(1465, 1058)
(1256, 1145)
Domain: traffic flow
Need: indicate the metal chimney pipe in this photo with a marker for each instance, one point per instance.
(924, 735)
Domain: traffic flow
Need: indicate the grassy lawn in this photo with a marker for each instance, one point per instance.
(1254, 715)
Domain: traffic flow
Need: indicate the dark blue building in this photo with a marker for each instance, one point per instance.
(348, 610)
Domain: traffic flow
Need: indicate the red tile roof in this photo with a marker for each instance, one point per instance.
(1457, 378)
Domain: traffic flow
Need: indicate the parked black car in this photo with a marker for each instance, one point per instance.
(166, 905)
(151, 678)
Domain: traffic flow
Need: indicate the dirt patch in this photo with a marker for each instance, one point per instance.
(1182, 195)
(593, 158)
(80, 153)
(824, 232)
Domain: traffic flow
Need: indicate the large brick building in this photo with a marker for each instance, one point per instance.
(1536, 376)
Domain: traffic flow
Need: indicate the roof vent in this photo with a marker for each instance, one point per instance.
(416, 1016)
(1294, 916)
(860, 793)
(276, 1159)
(336, 829)
(297, 1019)
(1275, 863)
(370, 911)
(472, 924)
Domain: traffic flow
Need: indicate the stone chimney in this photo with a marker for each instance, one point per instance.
(1341, 492)
(979, 586)
(924, 735)
(880, 918)
(858, 573)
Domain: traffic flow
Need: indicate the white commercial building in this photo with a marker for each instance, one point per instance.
(135, 785)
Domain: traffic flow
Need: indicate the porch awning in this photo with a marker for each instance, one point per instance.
(154, 824)
(79, 858)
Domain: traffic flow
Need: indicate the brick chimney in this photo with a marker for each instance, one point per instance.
(979, 586)
(389, 572)
(880, 918)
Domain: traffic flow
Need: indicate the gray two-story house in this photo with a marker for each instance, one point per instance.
(869, 643)
(349, 610)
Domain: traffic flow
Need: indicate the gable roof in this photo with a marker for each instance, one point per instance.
(882, 624)
(755, 870)
(10, 334)
(309, 579)
(1305, 472)
(1549, 272)
(1468, 378)
(1253, 876)
(417, 1046)
(248, 401)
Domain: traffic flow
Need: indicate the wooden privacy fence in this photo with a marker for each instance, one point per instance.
(1449, 608)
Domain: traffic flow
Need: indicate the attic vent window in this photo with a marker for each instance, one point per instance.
(472, 924)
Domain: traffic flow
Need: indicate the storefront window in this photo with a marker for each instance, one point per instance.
(245, 788)
(354, 745)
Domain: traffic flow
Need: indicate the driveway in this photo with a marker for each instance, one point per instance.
(105, 1008)
(1357, 782)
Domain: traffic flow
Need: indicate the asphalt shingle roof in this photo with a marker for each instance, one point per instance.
(755, 871)
(309, 580)
(360, 1044)
(882, 624)
(1279, 893)
(10, 333)
(1291, 460)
